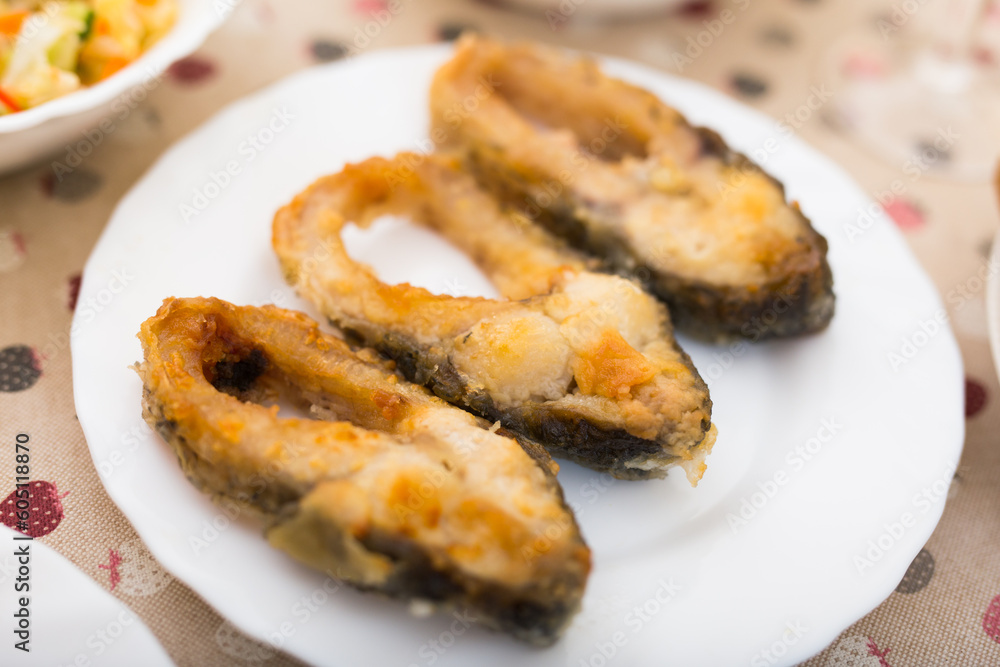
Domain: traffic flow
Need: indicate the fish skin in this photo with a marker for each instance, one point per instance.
(605, 204)
(327, 490)
(564, 434)
(643, 424)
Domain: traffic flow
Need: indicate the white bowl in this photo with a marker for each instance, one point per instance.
(33, 134)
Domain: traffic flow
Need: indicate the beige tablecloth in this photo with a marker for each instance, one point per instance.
(946, 611)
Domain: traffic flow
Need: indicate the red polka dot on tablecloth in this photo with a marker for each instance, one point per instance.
(13, 250)
(864, 65)
(905, 214)
(73, 290)
(192, 70)
(975, 397)
(984, 55)
(696, 9)
(45, 509)
(265, 13)
(369, 7)
(991, 620)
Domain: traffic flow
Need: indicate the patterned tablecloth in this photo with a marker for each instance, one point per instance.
(946, 611)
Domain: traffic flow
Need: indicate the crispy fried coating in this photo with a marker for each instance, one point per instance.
(584, 363)
(393, 490)
(615, 171)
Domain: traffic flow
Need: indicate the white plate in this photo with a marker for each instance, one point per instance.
(63, 122)
(794, 565)
(73, 620)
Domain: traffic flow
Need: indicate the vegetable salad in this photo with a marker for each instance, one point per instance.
(51, 48)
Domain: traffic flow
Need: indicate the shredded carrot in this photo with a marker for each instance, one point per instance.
(10, 23)
(9, 102)
(111, 66)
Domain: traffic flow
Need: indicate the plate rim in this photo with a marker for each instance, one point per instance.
(817, 641)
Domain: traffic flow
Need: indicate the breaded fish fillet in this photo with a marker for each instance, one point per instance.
(407, 496)
(615, 171)
(585, 364)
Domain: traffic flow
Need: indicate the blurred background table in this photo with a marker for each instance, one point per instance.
(946, 611)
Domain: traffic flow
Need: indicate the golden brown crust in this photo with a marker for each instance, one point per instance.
(542, 365)
(407, 495)
(614, 170)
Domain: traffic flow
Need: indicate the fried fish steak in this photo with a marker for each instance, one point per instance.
(584, 363)
(614, 170)
(393, 490)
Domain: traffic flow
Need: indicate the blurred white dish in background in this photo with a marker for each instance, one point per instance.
(559, 11)
(993, 301)
(33, 134)
(74, 621)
